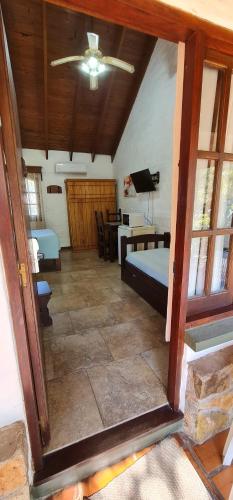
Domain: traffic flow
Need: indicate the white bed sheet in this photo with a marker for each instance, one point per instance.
(154, 263)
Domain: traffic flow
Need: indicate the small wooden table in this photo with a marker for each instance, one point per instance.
(112, 228)
(44, 294)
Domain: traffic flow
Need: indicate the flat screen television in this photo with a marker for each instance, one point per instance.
(142, 181)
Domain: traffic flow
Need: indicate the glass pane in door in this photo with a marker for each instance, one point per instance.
(229, 132)
(197, 270)
(203, 194)
(221, 252)
(225, 212)
(210, 101)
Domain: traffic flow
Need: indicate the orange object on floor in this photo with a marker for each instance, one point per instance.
(98, 481)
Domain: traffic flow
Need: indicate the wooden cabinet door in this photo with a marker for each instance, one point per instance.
(83, 198)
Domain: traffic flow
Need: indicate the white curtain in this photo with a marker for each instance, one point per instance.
(33, 199)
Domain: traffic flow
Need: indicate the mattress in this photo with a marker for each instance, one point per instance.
(154, 263)
(48, 242)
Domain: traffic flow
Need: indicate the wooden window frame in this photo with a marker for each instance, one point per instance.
(39, 202)
(174, 25)
(215, 301)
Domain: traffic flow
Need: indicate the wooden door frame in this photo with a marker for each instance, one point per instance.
(14, 173)
(152, 17)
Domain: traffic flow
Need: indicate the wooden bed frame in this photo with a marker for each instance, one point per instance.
(154, 292)
(46, 265)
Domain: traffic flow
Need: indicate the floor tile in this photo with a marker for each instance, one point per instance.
(58, 277)
(83, 274)
(73, 412)
(77, 351)
(210, 453)
(92, 317)
(224, 481)
(102, 328)
(157, 358)
(124, 389)
(48, 362)
(56, 290)
(105, 296)
(163, 376)
(130, 338)
(124, 290)
(67, 303)
(61, 325)
(73, 288)
(128, 309)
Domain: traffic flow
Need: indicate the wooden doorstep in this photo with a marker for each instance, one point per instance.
(83, 458)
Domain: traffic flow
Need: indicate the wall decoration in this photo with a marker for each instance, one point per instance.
(129, 189)
(54, 189)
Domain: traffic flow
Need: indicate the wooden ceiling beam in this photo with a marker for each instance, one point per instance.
(45, 74)
(107, 96)
(75, 109)
(78, 87)
(150, 45)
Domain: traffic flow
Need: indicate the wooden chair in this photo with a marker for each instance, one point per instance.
(103, 241)
(44, 294)
(113, 216)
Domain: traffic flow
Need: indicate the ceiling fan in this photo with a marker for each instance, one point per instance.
(93, 61)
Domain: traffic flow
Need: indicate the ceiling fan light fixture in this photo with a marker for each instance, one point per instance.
(93, 61)
(85, 68)
(92, 66)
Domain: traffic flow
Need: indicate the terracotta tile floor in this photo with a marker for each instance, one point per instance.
(105, 355)
(205, 458)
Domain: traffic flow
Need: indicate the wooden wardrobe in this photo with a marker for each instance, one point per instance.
(83, 198)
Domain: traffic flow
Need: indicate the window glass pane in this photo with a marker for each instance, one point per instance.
(31, 185)
(210, 99)
(32, 198)
(33, 210)
(225, 212)
(203, 194)
(197, 266)
(221, 252)
(229, 132)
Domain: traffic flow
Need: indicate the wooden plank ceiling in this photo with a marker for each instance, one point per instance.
(57, 111)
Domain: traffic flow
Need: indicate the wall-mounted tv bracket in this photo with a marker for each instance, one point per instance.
(155, 178)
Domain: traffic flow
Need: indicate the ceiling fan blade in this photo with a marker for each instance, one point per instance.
(66, 60)
(93, 82)
(113, 61)
(93, 41)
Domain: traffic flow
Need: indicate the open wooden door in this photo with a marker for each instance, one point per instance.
(15, 182)
(193, 71)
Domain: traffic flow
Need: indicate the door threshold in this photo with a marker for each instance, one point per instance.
(79, 460)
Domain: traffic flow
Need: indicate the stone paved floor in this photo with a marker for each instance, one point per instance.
(105, 356)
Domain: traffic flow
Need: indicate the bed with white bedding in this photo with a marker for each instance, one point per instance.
(146, 271)
(154, 263)
(49, 248)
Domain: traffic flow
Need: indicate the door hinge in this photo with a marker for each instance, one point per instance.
(23, 274)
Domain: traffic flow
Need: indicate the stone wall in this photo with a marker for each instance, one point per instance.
(13, 463)
(209, 395)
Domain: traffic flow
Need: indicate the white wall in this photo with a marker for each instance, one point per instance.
(147, 139)
(11, 394)
(55, 207)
